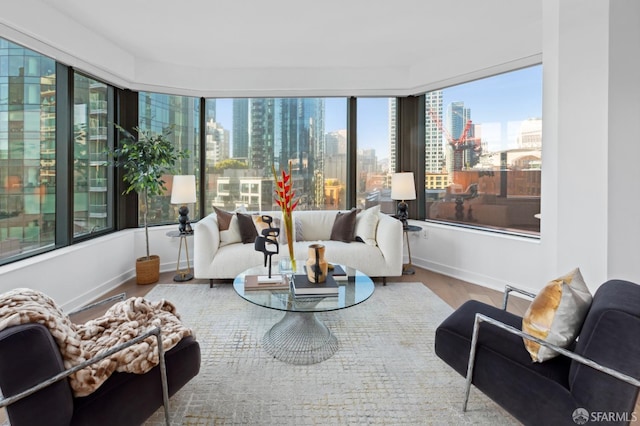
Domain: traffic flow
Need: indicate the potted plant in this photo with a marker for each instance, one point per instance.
(145, 160)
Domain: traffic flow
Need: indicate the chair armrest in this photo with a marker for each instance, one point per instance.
(579, 358)
(120, 296)
(508, 289)
(66, 373)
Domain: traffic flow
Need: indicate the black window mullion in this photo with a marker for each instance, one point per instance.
(352, 151)
(64, 156)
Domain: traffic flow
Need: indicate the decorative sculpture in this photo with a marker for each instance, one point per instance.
(317, 265)
(267, 241)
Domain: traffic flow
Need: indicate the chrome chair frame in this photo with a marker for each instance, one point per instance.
(66, 373)
(474, 341)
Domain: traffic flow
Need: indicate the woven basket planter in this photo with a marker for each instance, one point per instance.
(148, 270)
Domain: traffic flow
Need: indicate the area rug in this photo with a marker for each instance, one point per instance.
(385, 371)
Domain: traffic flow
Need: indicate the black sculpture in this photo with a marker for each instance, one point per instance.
(268, 241)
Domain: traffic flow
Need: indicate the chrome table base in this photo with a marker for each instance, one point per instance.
(300, 338)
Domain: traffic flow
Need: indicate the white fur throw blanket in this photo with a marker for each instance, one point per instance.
(79, 342)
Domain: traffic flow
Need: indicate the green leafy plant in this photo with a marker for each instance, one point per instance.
(145, 160)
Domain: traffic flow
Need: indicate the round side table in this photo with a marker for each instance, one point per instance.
(182, 274)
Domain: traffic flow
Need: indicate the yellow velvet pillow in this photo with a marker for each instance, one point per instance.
(556, 314)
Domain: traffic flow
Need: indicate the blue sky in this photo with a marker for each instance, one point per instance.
(498, 102)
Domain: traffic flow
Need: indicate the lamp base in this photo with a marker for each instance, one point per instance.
(402, 214)
(183, 220)
(182, 277)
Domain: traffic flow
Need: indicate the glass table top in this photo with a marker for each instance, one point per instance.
(352, 291)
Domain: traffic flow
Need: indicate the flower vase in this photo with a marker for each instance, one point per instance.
(317, 265)
(288, 229)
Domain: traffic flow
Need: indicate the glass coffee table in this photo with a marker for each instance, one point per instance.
(300, 337)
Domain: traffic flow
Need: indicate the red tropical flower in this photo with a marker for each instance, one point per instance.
(285, 200)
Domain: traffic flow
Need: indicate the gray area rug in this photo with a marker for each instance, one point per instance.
(384, 373)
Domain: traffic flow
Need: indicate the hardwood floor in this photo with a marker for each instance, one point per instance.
(453, 291)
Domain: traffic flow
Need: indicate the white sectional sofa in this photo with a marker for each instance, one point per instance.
(219, 256)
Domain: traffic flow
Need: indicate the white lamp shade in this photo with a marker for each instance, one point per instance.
(184, 189)
(403, 186)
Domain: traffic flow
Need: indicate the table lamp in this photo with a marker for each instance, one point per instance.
(183, 192)
(403, 188)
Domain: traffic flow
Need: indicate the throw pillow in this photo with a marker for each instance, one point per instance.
(228, 227)
(556, 314)
(224, 218)
(367, 225)
(248, 231)
(343, 226)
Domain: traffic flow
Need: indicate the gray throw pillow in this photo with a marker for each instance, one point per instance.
(343, 226)
(248, 231)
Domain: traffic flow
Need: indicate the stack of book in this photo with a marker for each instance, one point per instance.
(302, 287)
(338, 273)
(264, 282)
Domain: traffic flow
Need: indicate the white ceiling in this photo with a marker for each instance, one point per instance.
(245, 47)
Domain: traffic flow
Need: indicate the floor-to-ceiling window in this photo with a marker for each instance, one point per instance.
(376, 152)
(181, 113)
(483, 143)
(92, 190)
(27, 150)
(482, 151)
(245, 138)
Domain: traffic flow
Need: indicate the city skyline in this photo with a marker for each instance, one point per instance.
(500, 103)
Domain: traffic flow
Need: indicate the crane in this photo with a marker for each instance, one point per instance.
(460, 144)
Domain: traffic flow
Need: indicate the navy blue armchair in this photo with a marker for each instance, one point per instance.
(594, 380)
(35, 390)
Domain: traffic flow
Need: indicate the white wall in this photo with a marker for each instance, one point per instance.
(75, 275)
(624, 142)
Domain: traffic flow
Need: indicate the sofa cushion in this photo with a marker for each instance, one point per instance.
(314, 225)
(366, 225)
(343, 226)
(556, 314)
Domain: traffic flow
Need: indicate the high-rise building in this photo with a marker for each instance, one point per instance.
(217, 142)
(434, 145)
(461, 155)
(290, 130)
(27, 150)
(240, 128)
(392, 135)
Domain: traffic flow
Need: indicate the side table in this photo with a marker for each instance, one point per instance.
(182, 274)
(407, 269)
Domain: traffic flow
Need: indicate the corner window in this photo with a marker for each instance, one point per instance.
(483, 159)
